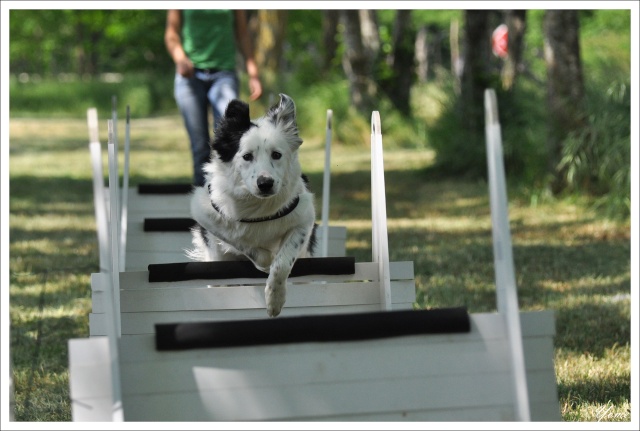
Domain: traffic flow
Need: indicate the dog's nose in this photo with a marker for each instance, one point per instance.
(265, 183)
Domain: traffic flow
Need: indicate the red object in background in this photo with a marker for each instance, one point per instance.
(499, 41)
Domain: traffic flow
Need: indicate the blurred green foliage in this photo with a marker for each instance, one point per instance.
(64, 61)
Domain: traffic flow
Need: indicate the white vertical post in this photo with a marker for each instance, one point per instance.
(506, 290)
(99, 198)
(115, 231)
(326, 188)
(112, 296)
(380, 244)
(125, 190)
(114, 140)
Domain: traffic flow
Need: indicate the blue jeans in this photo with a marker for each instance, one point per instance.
(193, 96)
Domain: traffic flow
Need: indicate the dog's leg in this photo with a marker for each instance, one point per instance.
(276, 289)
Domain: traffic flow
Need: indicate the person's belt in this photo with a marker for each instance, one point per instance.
(210, 70)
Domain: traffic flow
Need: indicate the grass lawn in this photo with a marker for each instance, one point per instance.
(567, 258)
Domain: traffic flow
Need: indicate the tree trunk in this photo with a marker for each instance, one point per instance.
(330, 19)
(270, 35)
(476, 69)
(456, 58)
(565, 86)
(369, 33)
(357, 62)
(398, 87)
(516, 23)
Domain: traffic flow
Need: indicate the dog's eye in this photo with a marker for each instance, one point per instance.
(276, 155)
(248, 157)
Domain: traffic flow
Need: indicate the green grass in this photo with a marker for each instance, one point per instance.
(567, 258)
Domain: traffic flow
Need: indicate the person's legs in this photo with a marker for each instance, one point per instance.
(223, 90)
(191, 97)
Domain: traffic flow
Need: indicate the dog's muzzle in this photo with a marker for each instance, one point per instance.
(265, 185)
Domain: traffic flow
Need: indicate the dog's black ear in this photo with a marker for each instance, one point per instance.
(283, 115)
(232, 126)
(237, 112)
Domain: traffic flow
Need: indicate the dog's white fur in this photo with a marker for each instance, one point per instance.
(254, 172)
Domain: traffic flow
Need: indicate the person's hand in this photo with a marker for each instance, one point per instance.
(255, 88)
(185, 67)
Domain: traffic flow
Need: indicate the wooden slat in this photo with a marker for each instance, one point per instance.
(271, 402)
(363, 271)
(459, 377)
(90, 379)
(144, 304)
(160, 205)
(299, 295)
(143, 323)
(144, 248)
(457, 373)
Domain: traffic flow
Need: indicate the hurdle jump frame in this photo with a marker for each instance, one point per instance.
(500, 368)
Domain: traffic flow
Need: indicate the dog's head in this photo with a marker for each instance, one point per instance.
(262, 154)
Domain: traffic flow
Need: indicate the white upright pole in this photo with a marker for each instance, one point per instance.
(380, 242)
(125, 190)
(99, 198)
(326, 188)
(506, 290)
(112, 296)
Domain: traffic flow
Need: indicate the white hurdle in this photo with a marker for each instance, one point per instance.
(125, 195)
(144, 304)
(99, 196)
(199, 348)
(379, 240)
(506, 290)
(326, 188)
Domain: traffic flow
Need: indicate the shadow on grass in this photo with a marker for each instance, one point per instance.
(408, 195)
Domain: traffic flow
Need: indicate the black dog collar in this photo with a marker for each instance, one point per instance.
(283, 212)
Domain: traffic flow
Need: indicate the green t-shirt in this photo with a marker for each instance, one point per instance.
(208, 38)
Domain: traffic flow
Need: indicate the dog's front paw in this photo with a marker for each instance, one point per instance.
(275, 296)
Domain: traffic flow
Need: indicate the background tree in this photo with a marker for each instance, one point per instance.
(428, 51)
(398, 81)
(330, 19)
(360, 50)
(269, 30)
(565, 86)
(476, 70)
(516, 21)
(87, 42)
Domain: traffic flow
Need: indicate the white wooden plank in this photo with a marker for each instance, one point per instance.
(143, 323)
(321, 362)
(442, 355)
(326, 187)
(140, 214)
(250, 374)
(95, 409)
(363, 271)
(469, 414)
(330, 398)
(506, 290)
(478, 371)
(142, 347)
(537, 323)
(88, 352)
(252, 296)
(140, 260)
(138, 239)
(156, 205)
(90, 387)
(547, 411)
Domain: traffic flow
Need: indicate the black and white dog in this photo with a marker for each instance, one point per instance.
(255, 204)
